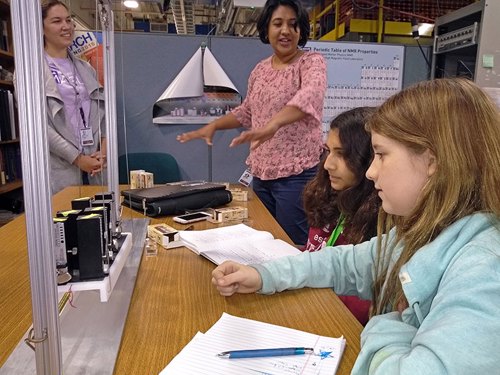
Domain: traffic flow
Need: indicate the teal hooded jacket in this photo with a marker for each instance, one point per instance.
(452, 284)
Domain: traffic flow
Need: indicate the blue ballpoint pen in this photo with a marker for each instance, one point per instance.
(264, 352)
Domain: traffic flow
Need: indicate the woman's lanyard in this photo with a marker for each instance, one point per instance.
(85, 134)
(337, 231)
(73, 84)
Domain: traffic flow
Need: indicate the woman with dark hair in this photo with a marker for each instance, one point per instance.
(341, 204)
(301, 26)
(283, 111)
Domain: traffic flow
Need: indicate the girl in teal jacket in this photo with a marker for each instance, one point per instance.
(434, 279)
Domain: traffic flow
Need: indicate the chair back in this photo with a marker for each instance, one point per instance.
(162, 165)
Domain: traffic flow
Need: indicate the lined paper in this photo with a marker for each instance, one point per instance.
(234, 333)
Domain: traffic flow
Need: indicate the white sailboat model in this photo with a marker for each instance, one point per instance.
(200, 93)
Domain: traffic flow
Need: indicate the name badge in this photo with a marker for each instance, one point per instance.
(86, 138)
(246, 178)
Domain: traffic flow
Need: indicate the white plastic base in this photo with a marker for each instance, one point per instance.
(106, 285)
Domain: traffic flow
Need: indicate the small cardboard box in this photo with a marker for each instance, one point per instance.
(135, 178)
(164, 235)
(239, 195)
(147, 180)
(140, 179)
(230, 213)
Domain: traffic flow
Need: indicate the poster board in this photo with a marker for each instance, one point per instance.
(87, 45)
(358, 75)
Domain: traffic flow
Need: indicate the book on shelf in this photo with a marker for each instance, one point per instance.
(10, 163)
(12, 115)
(4, 36)
(239, 243)
(5, 116)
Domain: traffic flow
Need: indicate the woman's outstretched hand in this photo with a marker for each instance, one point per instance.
(206, 133)
(231, 277)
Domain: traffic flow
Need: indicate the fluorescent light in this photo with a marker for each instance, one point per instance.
(425, 29)
(131, 4)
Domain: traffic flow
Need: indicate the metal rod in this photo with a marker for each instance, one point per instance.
(106, 17)
(209, 148)
(30, 90)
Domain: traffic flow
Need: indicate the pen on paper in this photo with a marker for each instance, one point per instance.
(253, 353)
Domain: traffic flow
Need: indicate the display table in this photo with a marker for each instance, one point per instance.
(173, 299)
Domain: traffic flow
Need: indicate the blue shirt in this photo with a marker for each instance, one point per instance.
(452, 285)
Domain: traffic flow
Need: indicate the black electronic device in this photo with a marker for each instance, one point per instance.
(71, 237)
(60, 250)
(81, 203)
(115, 220)
(105, 195)
(90, 248)
(104, 212)
(109, 204)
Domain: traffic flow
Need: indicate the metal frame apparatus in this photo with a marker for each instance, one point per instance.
(26, 24)
(107, 24)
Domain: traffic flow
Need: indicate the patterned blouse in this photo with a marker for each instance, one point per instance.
(295, 147)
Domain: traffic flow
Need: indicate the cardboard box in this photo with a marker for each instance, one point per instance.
(239, 195)
(140, 179)
(230, 213)
(164, 235)
(147, 180)
(135, 179)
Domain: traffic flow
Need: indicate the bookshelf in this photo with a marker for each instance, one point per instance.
(10, 148)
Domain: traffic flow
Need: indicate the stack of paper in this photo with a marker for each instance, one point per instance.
(233, 333)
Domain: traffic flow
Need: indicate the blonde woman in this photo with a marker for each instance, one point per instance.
(435, 278)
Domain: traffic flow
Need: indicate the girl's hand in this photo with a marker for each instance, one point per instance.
(231, 277)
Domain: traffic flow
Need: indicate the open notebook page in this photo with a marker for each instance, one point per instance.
(233, 333)
(249, 252)
(200, 240)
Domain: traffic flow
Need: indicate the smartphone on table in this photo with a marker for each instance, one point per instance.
(191, 217)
